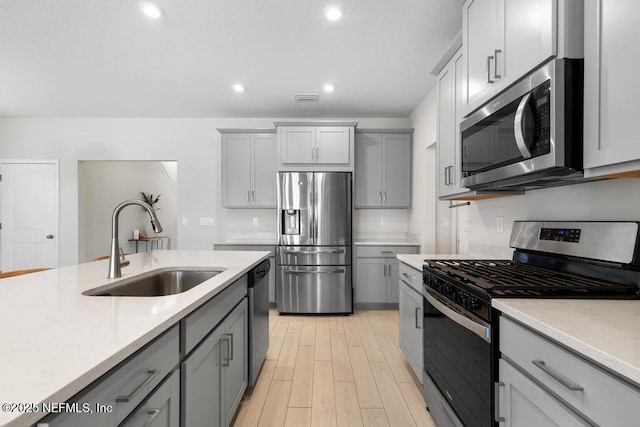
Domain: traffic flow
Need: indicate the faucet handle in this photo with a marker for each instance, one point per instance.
(123, 261)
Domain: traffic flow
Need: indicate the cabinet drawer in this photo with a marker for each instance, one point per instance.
(384, 251)
(161, 408)
(198, 324)
(125, 386)
(228, 247)
(596, 393)
(411, 277)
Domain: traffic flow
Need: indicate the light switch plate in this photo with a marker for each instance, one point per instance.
(256, 221)
(499, 224)
(445, 222)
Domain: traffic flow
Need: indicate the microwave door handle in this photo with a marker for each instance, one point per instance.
(518, 127)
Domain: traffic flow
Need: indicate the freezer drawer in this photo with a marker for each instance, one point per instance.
(314, 289)
(313, 255)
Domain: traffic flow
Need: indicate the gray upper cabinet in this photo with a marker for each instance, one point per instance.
(327, 147)
(383, 169)
(249, 167)
(611, 145)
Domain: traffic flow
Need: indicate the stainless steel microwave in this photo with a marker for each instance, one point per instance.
(529, 136)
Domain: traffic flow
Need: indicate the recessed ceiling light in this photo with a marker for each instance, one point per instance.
(329, 87)
(238, 87)
(334, 12)
(152, 10)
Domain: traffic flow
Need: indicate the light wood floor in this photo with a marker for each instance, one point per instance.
(335, 371)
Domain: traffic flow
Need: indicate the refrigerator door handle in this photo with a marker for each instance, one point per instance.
(329, 251)
(297, 271)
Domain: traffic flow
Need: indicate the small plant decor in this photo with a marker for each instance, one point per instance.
(150, 200)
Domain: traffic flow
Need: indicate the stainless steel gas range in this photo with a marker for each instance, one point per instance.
(551, 260)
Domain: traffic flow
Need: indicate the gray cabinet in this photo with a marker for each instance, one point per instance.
(215, 375)
(410, 312)
(556, 385)
(272, 259)
(249, 167)
(376, 275)
(125, 386)
(611, 145)
(383, 169)
(328, 147)
(161, 408)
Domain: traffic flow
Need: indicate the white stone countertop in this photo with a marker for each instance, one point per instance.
(56, 341)
(246, 242)
(380, 242)
(605, 331)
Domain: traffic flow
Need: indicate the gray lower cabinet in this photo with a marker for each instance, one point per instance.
(161, 408)
(214, 376)
(376, 275)
(543, 383)
(272, 259)
(410, 315)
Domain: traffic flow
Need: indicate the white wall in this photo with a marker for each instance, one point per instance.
(102, 185)
(423, 198)
(193, 143)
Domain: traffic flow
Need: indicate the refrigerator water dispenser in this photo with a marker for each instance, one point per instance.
(291, 221)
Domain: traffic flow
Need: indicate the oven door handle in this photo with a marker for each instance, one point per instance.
(517, 127)
(480, 330)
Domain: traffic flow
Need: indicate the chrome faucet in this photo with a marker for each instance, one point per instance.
(115, 263)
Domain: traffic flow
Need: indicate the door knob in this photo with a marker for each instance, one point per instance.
(49, 236)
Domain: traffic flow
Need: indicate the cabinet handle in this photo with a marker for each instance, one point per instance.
(231, 351)
(317, 154)
(384, 197)
(248, 196)
(380, 196)
(557, 376)
(225, 338)
(489, 58)
(151, 413)
(408, 277)
(495, 64)
(417, 317)
(384, 270)
(151, 373)
(497, 411)
(253, 196)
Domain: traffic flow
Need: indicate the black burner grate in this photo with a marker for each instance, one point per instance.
(508, 278)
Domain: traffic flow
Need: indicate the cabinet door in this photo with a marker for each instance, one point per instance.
(236, 374)
(265, 168)
(396, 190)
(272, 282)
(202, 378)
(446, 126)
(393, 275)
(162, 407)
(410, 308)
(236, 170)
(298, 143)
(459, 96)
(372, 283)
(528, 38)
(522, 403)
(333, 145)
(368, 170)
(480, 29)
(610, 73)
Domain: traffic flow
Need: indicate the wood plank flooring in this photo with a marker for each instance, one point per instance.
(335, 371)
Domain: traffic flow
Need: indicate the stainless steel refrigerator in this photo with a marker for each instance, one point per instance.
(313, 258)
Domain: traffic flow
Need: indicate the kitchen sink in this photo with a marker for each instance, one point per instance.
(166, 281)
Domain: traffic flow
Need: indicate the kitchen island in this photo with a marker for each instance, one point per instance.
(57, 341)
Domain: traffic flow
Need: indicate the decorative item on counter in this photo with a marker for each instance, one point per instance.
(136, 234)
(150, 200)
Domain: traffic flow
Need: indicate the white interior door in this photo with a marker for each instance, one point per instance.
(29, 215)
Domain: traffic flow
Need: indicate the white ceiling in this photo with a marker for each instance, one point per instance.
(103, 58)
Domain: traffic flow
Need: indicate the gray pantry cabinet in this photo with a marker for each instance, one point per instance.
(376, 275)
(249, 167)
(411, 315)
(383, 168)
(611, 144)
(542, 383)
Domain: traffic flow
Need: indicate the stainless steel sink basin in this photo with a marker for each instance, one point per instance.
(156, 283)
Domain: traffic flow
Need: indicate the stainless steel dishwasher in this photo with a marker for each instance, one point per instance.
(258, 281)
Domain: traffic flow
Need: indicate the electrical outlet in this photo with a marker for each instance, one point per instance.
(383, 221)
(206, 220)
(185, 220)
(255, 221)
(468, 226)
(499, 224)
(445, 222)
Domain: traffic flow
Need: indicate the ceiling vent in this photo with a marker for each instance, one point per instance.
(304, 97)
